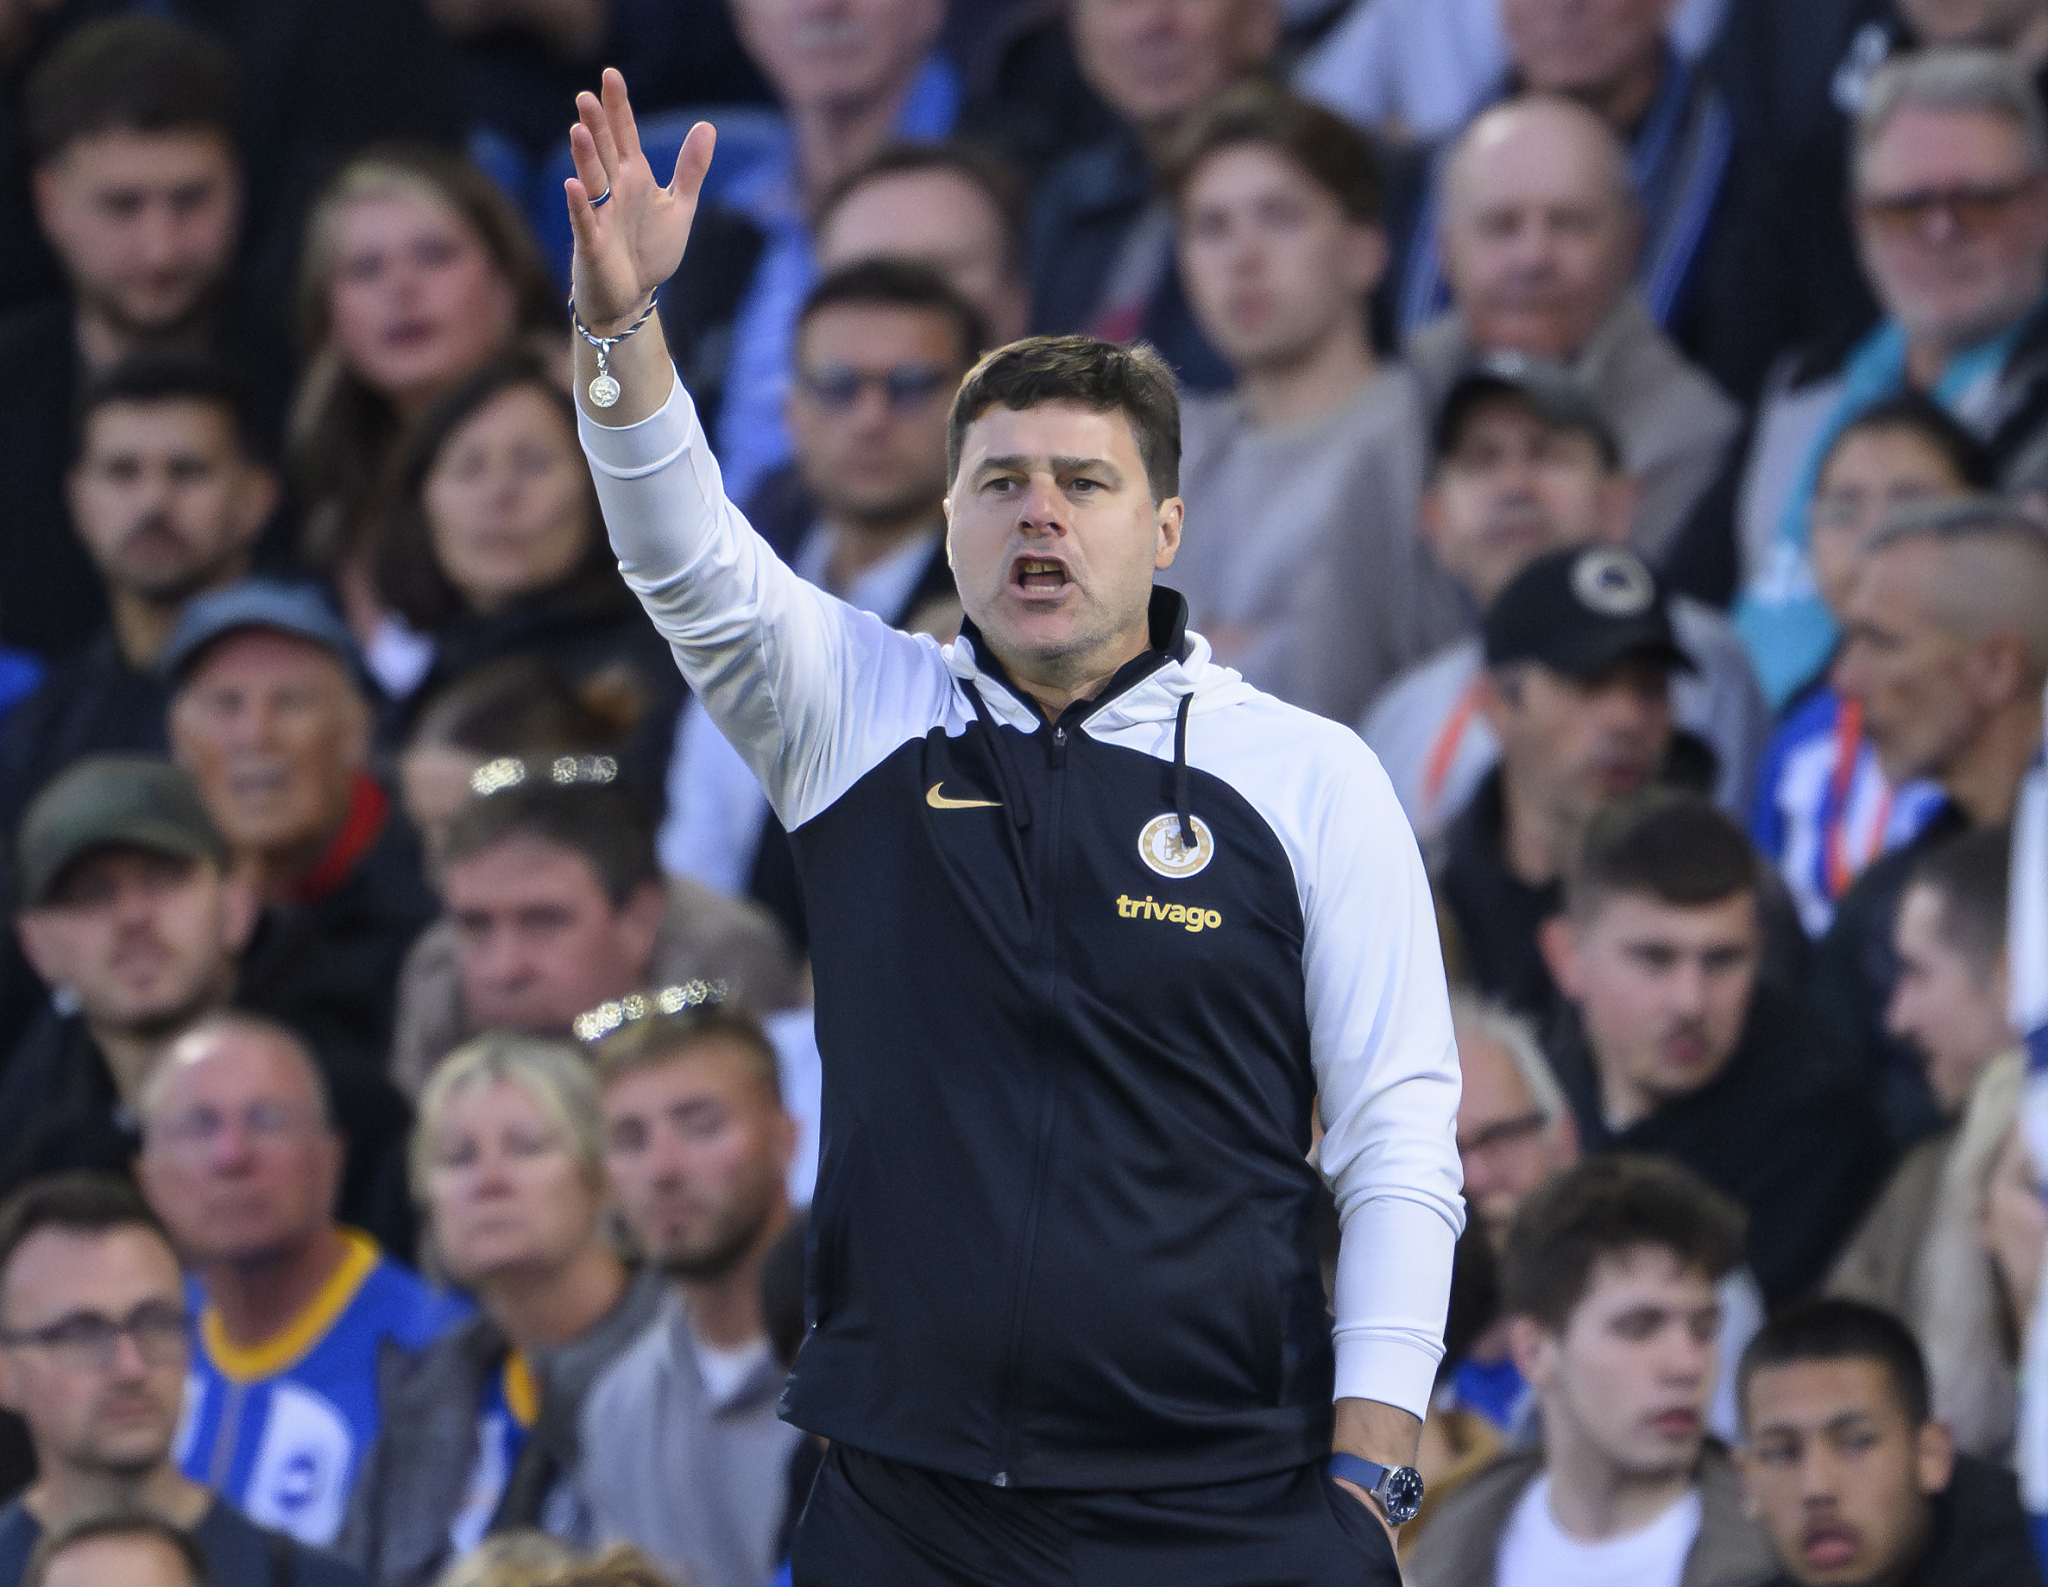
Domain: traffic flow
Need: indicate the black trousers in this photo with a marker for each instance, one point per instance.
(872, 1522)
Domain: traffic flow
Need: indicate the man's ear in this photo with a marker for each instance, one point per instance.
(1557, 941)
(639, 923)
(1366, 256)
(1431, 521)
(1998, 668)
(239, 907)
(1491, 700)
(1620, 495)
(1934, 1456)
(259, 496)
(42, 946)
(1167, 520)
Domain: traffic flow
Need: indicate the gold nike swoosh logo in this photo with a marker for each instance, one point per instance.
(939, 801)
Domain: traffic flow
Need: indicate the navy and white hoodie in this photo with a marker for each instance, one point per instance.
(1061, 1230)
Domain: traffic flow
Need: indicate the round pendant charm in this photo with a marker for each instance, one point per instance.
(604, 391)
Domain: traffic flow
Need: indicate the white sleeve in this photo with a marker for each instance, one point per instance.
(811, 691)
(1387, 1078)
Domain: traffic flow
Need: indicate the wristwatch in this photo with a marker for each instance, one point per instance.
(1397, 1490)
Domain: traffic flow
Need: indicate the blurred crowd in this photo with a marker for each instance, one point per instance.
(1630, 415)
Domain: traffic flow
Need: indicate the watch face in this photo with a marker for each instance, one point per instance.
(1401, 1493)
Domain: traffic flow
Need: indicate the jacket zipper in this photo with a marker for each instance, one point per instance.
(1048, 1112)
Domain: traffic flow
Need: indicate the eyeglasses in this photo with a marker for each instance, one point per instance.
(1970, 210)
(1507, 1132)
(200, 1129)
(85, 1341)
(908, 387)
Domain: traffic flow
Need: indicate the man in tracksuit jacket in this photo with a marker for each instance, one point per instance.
(1097, 930)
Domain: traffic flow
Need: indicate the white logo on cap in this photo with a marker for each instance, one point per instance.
(1613, 583)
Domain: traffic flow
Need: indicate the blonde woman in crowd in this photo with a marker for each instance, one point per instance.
(417, 273)
(508, 1164)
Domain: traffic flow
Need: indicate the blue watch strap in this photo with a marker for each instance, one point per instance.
(1356, 1468)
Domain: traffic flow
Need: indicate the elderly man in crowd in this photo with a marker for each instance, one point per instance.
(683, 1454)
(1949, 190)
(951, 206)
(1540, 234)
(1946, 655)
(295, 1314)
(94, 1345)
(270, 715)
(555, 903)
(168, 495)
(132, 127)
(1301, 565)
(131, 913)
(1102, 231)
(1524, 464)
(848, 87)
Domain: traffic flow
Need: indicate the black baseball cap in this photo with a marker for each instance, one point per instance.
(1582, 612)
(300, 610)
(111, 802)
(1556, 395)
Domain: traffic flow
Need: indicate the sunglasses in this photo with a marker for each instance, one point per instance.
(1969, 209)
(908, 387)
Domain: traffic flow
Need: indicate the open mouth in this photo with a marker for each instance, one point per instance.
(1038, 577)
(1829, 1546)
(1677, 1424)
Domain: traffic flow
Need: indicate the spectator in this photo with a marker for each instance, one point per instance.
(1664, 113)
(951, 206)
(1609, 1276)
(1516, 1132)
(555, 903)
(93, 1357)
(140, 189)
(1948, 1288)
(847, 90)
(683, 1454)
(495, 546)
(1102, 228)
(268, 714)
(131, 913)
(1946, 655)
(1824, 808)
(241, 1161)
(168, 495)
(130, 1547)
(1311, 463)
(1539, 235)
(1949, 1002)
(1678, 1050)
(1849, 1473)
(521, 1557)
(520, 708)
(1524, 464)
(1960, 290)
(1579, 652)
(480, 1432)
(417, 274)
(881, 347)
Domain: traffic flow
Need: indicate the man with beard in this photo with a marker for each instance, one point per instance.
(132, 916)
(295, 1313)
(682, 1454)
(168, 493)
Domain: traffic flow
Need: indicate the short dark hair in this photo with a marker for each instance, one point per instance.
(1103, 377)
(1971, 874)
(1676, 847)
(1607, 1207)
(978, 167)
(657, 1040)
(897, 284)
(116, 1523)
(526, 705)
(129, 74)
(173, 375)
(1839, 1330)
(409, 575)
(605, 822)
(77, 1202)
(1323, 145)
(1918, 414)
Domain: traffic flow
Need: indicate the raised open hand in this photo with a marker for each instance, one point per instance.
(633, 241)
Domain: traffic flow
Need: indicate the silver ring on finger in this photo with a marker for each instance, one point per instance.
(602, 199)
